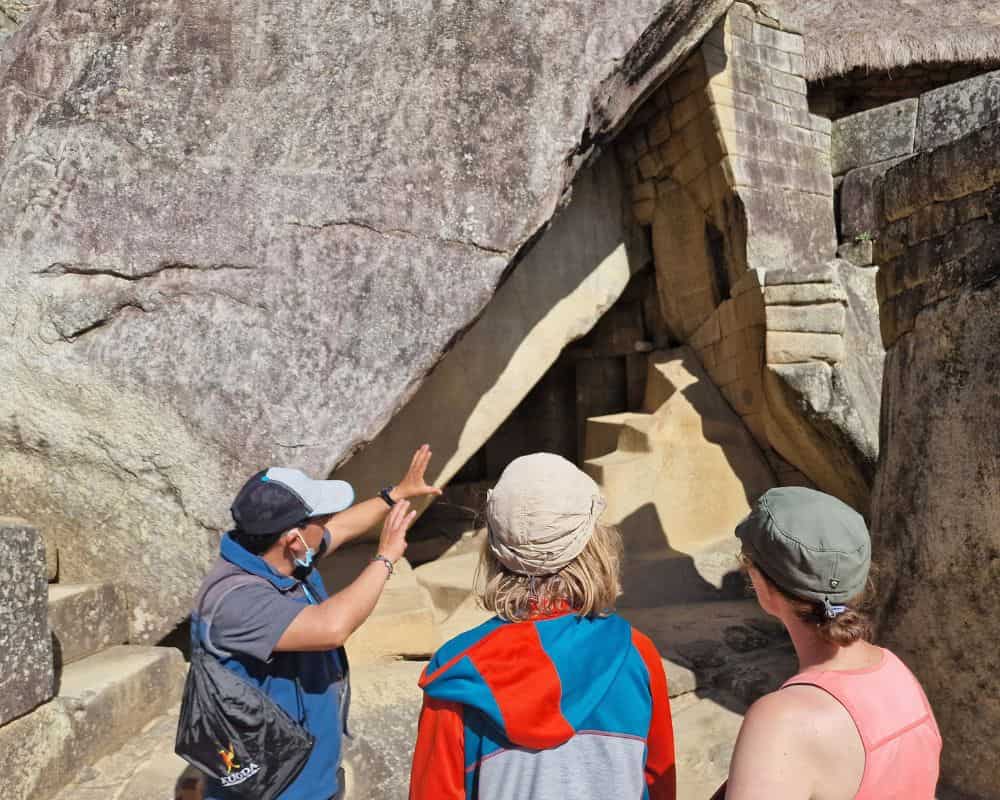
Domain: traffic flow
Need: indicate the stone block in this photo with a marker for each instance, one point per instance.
(891, 242)
(729, 322)
(85, 619)
(755, 126)
(661, 99)
(757, 425)
(860, 252)
(930, 222)
(740, 25)
(803, 294)
(796, 174)
(871, 136)
(450, 581)
(659, 130)
(948, 113)
(723, 93)
(643, 211)
(403, 623)
(26, 667)
(750, 280)
(687, 109)
(787, 347)
(821, 125)
(822, 318)
(646, 190)
(700, 188)
(726, 370)
(708, 333)
(784, 225)
(966, 166)
(906, 187)
(978, 205)
(686, 83)
(650, 165)
(860, 201)
(790, 83)
(750, 309)
(813, 273)
(675, 148)
(779, 40)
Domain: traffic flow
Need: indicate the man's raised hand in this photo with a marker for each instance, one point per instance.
(392, 542)
(414, 483)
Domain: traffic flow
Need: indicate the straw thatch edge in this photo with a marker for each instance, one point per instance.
(877, 51)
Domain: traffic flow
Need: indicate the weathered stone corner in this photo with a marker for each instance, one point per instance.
(27, 677)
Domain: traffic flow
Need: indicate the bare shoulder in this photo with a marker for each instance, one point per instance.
(795, 743)
(802, 712)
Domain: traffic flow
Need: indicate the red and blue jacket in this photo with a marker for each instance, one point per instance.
(557, 706)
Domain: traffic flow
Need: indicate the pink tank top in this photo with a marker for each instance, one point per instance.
(897, 727)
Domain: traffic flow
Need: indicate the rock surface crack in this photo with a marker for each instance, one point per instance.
(397, 233)
(61, 268)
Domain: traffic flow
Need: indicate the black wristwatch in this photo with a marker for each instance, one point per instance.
(384, 494)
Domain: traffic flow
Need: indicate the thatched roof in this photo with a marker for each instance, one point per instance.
(879, 35)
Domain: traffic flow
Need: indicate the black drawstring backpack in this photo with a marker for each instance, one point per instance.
(231, 730)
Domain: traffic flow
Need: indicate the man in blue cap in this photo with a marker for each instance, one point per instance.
(267, 616)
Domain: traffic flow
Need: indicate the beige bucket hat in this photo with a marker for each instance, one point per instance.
(541, 514)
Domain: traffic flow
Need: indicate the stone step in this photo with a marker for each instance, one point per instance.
(681, 476)
(403, 623)
(86, 618)
(450, 581)
(144, 767)
(655, 575)
(628, 432)
(728, 647)
(102, 702)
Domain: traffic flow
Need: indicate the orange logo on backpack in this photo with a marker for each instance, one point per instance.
(229, 759)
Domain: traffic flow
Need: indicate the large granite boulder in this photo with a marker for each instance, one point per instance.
(242, 234)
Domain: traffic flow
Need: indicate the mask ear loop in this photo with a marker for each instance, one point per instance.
(309, 556)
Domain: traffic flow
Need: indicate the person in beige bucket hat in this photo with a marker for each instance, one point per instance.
(557, 695)
(541, 514)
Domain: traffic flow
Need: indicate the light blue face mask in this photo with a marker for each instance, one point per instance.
(304, 565)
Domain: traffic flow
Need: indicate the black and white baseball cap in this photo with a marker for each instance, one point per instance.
(280, 498)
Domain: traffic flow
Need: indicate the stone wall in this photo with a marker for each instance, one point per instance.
(867, 144)
(937, 497)
(732, 173)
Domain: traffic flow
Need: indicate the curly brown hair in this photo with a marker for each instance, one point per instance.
(853, 625)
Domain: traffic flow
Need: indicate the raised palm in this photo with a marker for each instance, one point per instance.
(414, 483)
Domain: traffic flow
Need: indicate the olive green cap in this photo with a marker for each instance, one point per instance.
(810, 544)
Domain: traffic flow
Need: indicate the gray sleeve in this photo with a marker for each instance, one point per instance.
(252, 618)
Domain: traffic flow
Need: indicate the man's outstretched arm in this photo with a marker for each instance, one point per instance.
(328, 624)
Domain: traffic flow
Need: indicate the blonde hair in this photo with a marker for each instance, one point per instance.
(589, 584)
(853, 625)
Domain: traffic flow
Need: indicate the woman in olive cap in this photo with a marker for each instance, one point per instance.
(854, 723)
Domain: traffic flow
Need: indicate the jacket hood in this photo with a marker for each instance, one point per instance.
(537, 681)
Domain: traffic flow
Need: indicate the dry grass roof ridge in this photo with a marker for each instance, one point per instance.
(879, 35)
